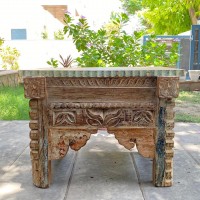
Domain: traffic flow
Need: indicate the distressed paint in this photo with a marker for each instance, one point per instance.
(160, 148)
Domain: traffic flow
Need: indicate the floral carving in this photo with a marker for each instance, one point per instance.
(100, 117)
(64, 118)
(142, 118)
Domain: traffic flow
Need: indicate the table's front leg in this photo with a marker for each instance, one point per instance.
(163, 161)
(41, 166)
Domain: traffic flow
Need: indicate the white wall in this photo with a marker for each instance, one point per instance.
(35, 53)
(28, 14)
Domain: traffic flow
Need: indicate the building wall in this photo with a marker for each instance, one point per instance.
(29, 15)
(36, 53)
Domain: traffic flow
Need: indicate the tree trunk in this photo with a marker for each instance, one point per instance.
(192, 16)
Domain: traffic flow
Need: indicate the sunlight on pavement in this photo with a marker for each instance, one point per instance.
(9, 188)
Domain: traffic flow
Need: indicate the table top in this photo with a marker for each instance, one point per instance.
(104, 72)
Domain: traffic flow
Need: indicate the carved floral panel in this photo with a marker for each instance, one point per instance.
(98, 117)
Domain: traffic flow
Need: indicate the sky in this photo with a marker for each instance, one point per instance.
(96, 11)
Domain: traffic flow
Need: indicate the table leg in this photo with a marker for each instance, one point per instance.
(162, 166)
(41, 166)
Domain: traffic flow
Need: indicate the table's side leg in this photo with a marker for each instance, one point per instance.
(163, 164)
(41, 167)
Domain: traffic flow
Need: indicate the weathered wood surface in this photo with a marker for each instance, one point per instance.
(103, 72)
(65, 112)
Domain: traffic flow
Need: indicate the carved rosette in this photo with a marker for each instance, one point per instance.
(34, 88)
(61, 140)
(142, 138)
(168, 87)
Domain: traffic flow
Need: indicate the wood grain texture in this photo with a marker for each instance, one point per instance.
(142, 138)
(163, 161)
(65, 111)
(41, 167)
(60, 140)
(34, 88)
(168, 87)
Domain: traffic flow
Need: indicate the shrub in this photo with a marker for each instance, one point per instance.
(110, 46)
(9, 57)
(102, 48)
(59, 35)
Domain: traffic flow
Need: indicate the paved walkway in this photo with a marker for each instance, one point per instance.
(102, 170)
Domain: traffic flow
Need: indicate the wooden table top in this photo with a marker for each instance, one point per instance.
(104, 72)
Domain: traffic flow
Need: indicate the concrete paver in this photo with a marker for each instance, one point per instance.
(102, 170)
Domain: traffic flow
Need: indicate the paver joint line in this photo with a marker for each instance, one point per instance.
(138, 175)
(70, 178)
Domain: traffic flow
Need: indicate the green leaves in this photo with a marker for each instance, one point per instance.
(158, 53)
(131, 6)
(9, 57)
(53, 63)
(112, 47)
(100, 49)
(164, 16)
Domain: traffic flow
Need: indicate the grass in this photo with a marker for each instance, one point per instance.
(191, 97)
(188, 107)
(13, 105)
(187, 118)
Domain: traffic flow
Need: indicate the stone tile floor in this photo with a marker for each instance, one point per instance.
(102, 170)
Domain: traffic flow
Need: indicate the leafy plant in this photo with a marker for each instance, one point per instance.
(53, 63)
(102, 48)
(66, 62)
(111, 48)
(1, 41)
(44, 33)
(131, 6)
(59, 35)
(164, 16)
(158, 53)
(9, 56)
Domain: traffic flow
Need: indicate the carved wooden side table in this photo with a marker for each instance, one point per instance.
(135, 106)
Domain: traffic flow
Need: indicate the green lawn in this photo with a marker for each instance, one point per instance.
(188, 107)
(190, 97)
(13, 105)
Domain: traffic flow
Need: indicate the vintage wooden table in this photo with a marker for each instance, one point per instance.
(134, 104)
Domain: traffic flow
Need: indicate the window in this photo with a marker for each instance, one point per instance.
(18, 34)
